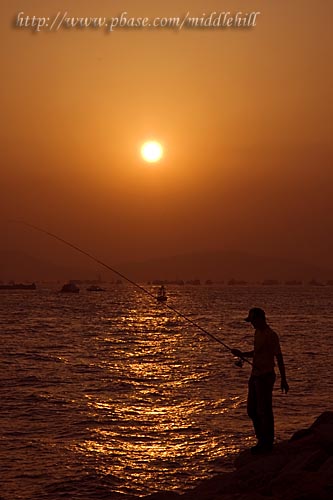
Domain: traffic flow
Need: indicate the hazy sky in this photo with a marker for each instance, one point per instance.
(245, 117)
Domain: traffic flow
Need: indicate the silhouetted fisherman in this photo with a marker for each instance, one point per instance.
(161, 296)
(261, 382)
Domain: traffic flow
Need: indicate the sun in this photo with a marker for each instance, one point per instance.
(152, 151)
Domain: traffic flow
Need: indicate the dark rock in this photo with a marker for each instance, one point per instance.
(298, 469)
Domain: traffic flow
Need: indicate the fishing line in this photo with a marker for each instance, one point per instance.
(140, 287)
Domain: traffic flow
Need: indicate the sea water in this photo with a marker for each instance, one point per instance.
(111, 393)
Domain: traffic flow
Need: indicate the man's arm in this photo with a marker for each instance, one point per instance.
(284, 383)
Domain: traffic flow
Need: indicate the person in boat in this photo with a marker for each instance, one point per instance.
(161, 291)
(261, 382)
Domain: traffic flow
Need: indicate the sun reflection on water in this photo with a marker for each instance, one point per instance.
(156, 424)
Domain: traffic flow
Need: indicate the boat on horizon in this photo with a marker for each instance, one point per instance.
(270, 282)
(314, 282)
(95, 288)
(70, 288)
(18, 286)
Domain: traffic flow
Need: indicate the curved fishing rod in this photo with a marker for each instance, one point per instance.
(140, 287)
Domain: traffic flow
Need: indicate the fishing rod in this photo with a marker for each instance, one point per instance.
(140, 287)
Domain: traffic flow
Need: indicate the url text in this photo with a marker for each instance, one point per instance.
(62, 20)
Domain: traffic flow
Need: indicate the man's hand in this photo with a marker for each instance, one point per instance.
(284, 385)
(237, 353)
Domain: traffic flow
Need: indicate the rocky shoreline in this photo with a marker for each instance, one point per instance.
(298, 469)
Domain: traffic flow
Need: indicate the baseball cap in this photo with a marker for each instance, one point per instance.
(255, 312)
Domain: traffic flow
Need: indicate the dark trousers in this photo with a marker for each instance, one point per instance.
(259, 407)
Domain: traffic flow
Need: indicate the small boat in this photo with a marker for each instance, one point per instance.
(18, 286)
(314, 282)
(95, 288)
(161, 296)
(70, 288)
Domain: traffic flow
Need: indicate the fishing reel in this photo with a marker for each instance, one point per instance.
(239, 363)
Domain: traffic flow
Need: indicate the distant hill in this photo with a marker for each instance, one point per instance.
(215, 266)
(224, 265)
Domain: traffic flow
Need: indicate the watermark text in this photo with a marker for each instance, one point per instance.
(62, 20)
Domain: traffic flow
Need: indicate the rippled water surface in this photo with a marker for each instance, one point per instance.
(113, 393)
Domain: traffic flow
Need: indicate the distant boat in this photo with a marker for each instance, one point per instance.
(95, 288)
(70, 288)
(234, 282)
(19, 286)
(314, 282)
(161, 296)
(270, 282)
(193, 282)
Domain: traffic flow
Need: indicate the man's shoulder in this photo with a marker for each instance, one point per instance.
(274, 339)
(266, 329)
(271, 331)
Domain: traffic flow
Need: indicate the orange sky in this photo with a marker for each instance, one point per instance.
(245, 117)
